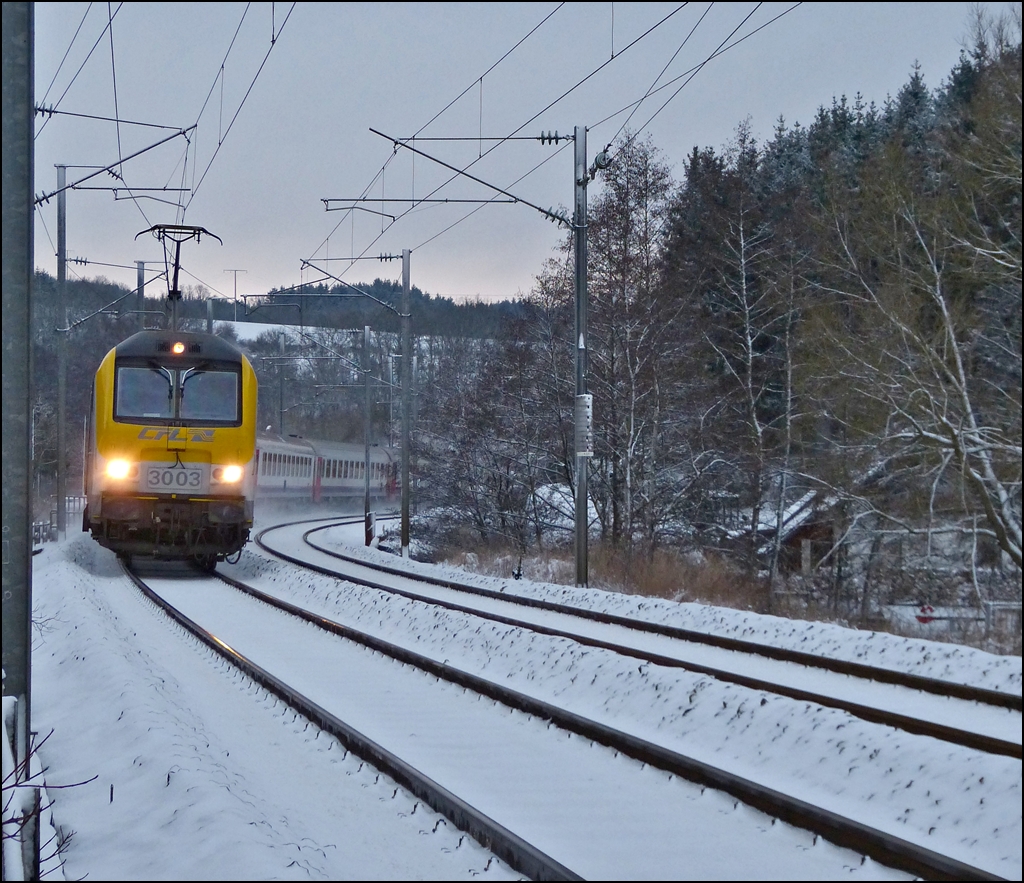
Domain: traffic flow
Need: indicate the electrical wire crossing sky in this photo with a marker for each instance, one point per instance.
(274, 125)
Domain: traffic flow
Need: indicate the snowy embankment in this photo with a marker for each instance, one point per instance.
(934, 659)
(954, 800)
(201, 775)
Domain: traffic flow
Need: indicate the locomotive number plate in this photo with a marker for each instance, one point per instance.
(173, 480)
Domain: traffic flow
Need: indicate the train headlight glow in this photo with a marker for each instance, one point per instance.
(178, 348)
(119, 469)
(228, 474)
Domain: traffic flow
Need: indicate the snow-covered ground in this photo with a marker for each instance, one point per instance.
(194, 773)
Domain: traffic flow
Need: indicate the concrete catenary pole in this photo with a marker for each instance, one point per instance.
(236, 272)
(406, 368)
(280, 389)
(62, 353)
(140, 288)
(584, 407)
(367, 514)
(17, 267)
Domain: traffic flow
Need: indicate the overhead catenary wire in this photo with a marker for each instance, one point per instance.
(650, 89)
(551, 104)
(80, 68)
(117, 116)
(437, 115)
(67, 52)
(116, 169)
(721, 49)
(241, 104)
(693, 71)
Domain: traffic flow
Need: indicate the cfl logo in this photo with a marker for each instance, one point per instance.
(171, 434)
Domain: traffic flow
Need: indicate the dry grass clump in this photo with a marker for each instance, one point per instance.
(667, 573)
(664, 573)
(678, 576)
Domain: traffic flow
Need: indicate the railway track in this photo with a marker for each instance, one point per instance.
(908, 702)
(880, 846)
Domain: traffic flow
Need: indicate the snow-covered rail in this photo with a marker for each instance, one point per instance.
(980, 719)
(502, 842)
(532, 783)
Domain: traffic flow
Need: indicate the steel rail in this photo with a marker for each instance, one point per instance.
(879, 845)
(907, 723)
(857, 669)
(508, 846)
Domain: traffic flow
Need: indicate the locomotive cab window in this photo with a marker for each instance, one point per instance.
(144, 392)
(196, 395)
(209, 395)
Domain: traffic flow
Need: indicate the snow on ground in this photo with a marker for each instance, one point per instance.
(193, 773)
(923, 657)
(197, 774)
(936, 794)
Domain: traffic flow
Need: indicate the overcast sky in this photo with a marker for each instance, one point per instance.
(285, 97)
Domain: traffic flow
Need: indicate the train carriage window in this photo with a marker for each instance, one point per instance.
(144, 392)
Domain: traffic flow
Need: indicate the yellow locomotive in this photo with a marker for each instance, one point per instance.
(170, 465)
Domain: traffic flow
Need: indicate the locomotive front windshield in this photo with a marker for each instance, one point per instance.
(187, 395)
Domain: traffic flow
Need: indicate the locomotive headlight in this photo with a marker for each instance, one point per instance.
(119, 469)
(228, 474)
